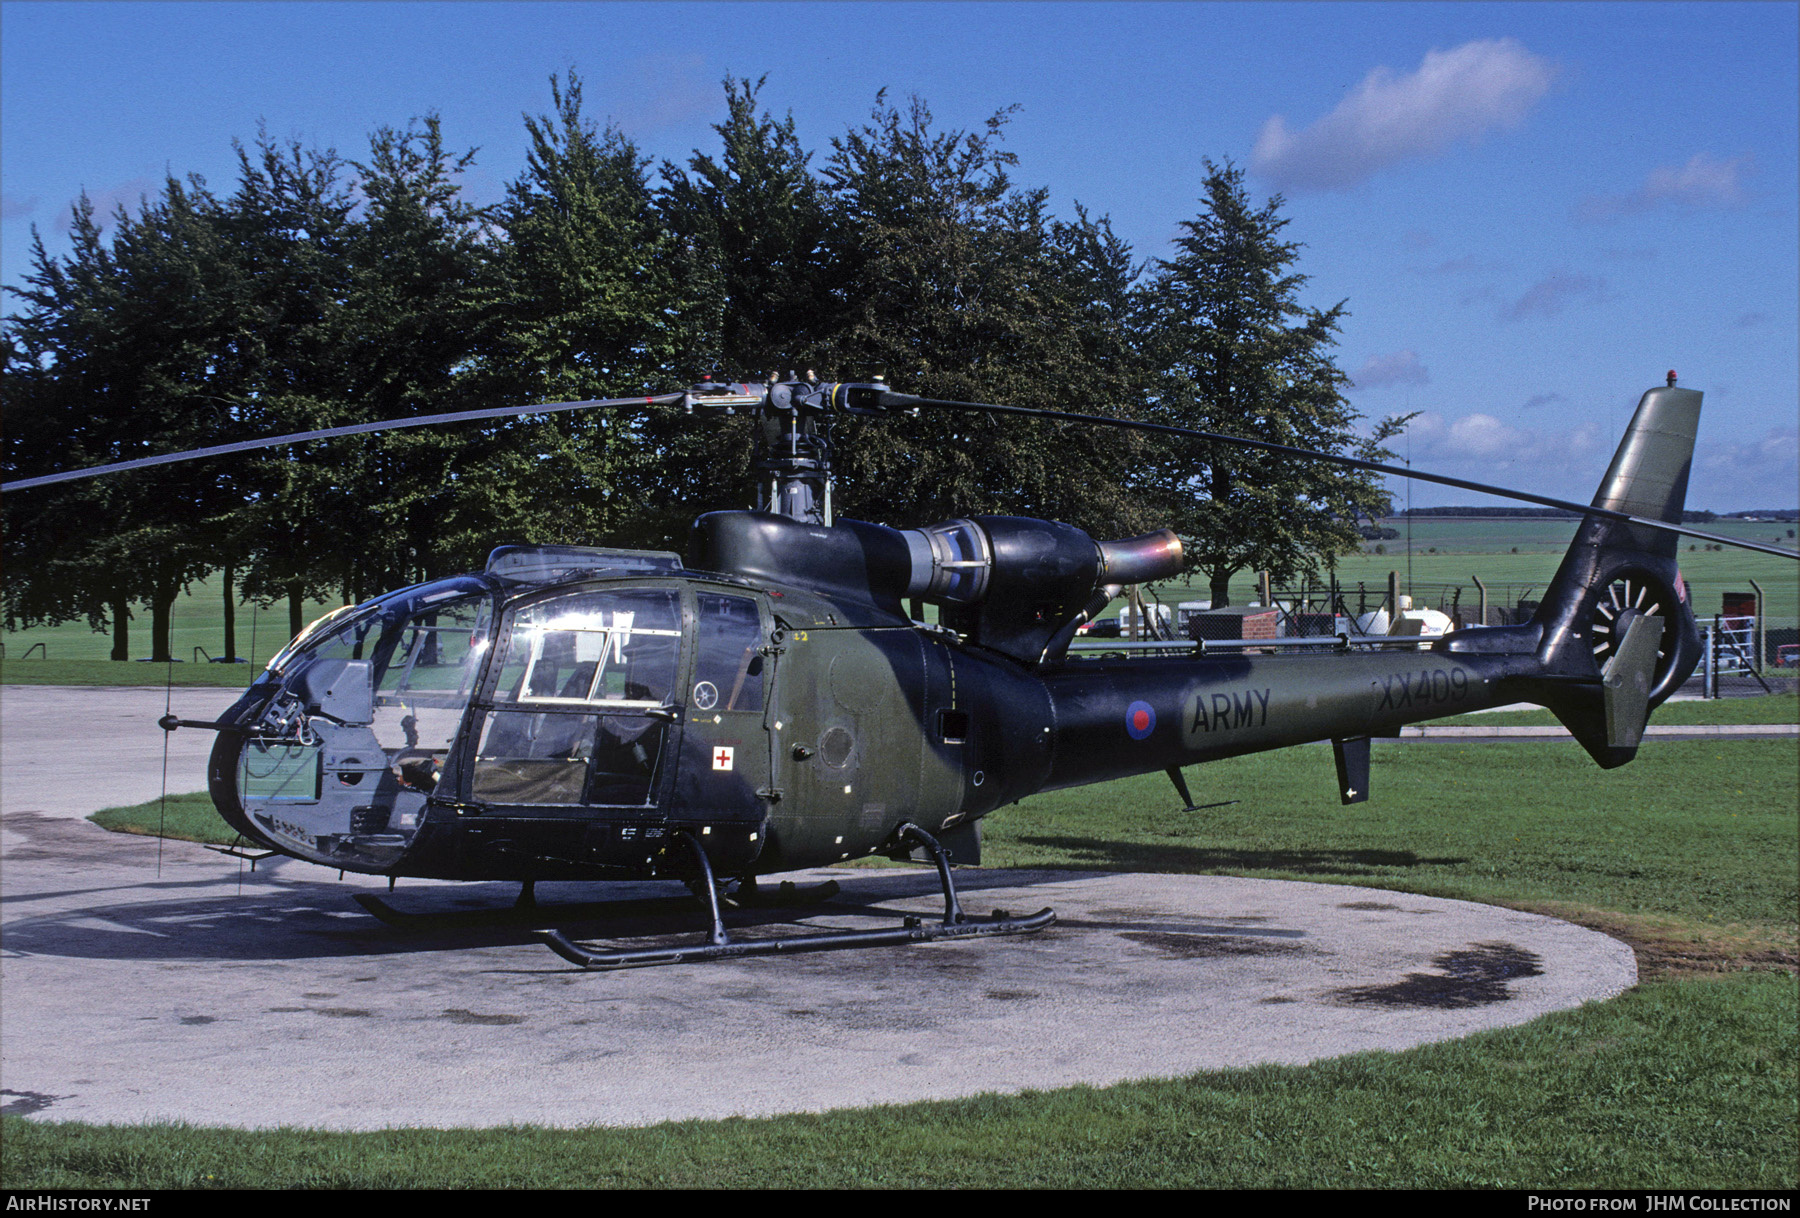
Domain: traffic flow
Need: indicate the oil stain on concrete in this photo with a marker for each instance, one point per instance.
(1475, 976)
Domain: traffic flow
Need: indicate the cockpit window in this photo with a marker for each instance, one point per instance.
(426, 663)
(435, 652)
(571, 719)
(616, 648)
(363, 718)
(337, 635)
(728, 670)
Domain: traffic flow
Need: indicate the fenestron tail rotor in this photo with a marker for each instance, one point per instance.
(1628, 597)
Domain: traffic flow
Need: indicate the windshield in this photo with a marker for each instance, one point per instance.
(338, 630)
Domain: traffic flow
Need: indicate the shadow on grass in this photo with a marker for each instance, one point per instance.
(1088, 854)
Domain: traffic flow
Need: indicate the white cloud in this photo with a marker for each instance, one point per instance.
(1459, 94)
(1554, 293)
(1763, 473)
(1566, 463)
(1704, 182)
(1398, 368)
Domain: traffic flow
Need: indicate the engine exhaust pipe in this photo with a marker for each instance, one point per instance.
(1138, 560)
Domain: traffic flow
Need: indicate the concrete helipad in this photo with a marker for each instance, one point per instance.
(214, 995)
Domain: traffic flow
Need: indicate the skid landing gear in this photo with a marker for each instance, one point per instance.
(719, 945)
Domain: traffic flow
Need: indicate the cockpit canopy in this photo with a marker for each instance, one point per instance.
(527, 697)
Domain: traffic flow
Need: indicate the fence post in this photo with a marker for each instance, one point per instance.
(1709, 685)
(1762, 635)
(1393, 596)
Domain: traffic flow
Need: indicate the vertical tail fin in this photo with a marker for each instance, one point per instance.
(1615, 575)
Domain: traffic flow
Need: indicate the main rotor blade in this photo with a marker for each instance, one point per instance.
(424, 420)
(890, 400)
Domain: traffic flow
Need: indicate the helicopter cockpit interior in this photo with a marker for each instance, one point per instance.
(374, 707)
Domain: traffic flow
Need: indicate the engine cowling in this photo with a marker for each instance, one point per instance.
(1007, 583)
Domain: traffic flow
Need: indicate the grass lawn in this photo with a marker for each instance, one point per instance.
(197, 621)
(1691, 854)
(1526, 551)
(1677, 1084)
(106, 672)
(1775, 708)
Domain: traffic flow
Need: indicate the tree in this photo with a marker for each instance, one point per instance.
(420, 316)
(753, 231)
(957, 284)
(120, 354)
(597, 300)
(49, 382)
(1236, 352)
(290, 227)
(756, 221)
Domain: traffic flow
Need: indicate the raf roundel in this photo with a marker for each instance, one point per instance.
(1140, 720)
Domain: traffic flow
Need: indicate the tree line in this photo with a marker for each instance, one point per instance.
(324, 291)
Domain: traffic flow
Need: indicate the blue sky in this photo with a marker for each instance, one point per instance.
(1533, 210)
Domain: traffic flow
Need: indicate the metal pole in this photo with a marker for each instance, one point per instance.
(1482, 588)
(1762, 635)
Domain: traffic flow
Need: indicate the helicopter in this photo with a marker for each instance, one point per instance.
(774, 699)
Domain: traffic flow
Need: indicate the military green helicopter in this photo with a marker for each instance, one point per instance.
(772, 701)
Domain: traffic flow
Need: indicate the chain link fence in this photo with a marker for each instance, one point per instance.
(1743, 654)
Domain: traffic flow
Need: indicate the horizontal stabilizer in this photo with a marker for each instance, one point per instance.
(1627, 683)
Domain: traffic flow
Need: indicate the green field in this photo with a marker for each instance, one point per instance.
(1691, 854)
(198, 621)
(1451, 550)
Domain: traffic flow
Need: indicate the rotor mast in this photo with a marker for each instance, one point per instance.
(791, 464)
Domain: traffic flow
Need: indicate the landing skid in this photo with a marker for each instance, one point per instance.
(720, 946)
